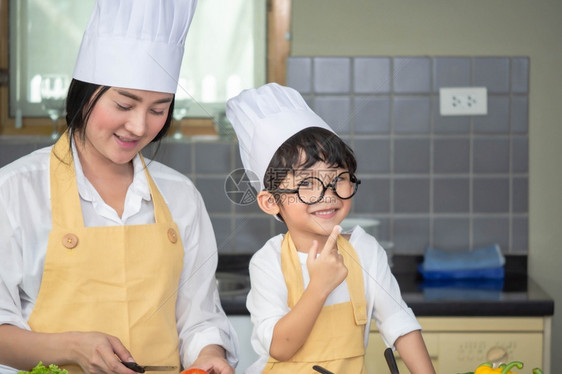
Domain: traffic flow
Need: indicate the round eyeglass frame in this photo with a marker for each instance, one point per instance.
(352, 178)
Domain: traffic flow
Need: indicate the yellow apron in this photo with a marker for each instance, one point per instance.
(120, 280)
(336, 341)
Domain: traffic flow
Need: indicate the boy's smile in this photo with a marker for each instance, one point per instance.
(329, 213)
(308, 222)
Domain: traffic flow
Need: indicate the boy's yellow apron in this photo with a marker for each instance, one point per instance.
(120, 280)
(336, 341)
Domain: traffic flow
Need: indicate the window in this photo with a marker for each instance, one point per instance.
(226, 51)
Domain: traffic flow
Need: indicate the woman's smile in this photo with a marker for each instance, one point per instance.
(126, 142)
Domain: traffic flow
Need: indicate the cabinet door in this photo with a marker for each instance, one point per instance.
(462, 352)
(247, 356)
(374, 355)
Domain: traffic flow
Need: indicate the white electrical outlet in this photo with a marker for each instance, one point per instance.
(463, 101)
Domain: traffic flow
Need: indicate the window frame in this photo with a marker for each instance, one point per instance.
(278, 49)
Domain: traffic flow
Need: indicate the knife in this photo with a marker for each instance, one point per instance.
(141, 369)
(391, 361)
(320, 369)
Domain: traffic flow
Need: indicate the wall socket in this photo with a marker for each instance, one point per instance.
(463, 101)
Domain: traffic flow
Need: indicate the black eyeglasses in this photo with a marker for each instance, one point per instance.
(311, 189)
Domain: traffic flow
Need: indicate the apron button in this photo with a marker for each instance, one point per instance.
(172, 235)
(70, 241)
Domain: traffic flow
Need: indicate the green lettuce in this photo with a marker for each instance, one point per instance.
(41, 369)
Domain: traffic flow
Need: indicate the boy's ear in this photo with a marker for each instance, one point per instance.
(267, 203)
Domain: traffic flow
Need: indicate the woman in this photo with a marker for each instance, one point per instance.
(105, 257)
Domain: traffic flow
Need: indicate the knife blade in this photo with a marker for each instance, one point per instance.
(141, 369)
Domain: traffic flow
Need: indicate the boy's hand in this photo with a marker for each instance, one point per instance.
(326, 269)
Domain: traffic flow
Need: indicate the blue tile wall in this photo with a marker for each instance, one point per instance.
(448, 124)
(451, 195)
(451, 182)
(490, 155)
(412, 114)
(337, 109)
(176, 155)
(299, 72)
(411, 75)
(452, 233)
(520, 75)
(451, 155)
(492, 73)
(14, 147)
(371, 75)
(411, 155)
(331, 75)
(371, 115)
(451, 72)
(375, 154)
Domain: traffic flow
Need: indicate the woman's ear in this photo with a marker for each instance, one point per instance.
(267, 203)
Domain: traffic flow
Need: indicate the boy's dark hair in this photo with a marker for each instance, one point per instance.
(303, 150)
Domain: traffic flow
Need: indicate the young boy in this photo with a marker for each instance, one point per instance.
(314, 290)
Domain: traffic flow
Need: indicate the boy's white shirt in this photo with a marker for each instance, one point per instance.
(267, 299)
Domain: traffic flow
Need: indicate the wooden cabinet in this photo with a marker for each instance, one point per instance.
(460, 344)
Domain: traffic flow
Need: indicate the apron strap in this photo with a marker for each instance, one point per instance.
(68, 212)
(160, 215)
(355, 282)
(65, 200)
(291, 267)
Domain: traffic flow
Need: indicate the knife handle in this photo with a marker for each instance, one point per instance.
(320, 369)
(391, 361)
(133, 366)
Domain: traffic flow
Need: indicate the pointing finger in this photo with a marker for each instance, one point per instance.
(330, 245)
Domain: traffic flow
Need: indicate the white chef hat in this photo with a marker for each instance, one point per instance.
(263, 119)
(135, 44)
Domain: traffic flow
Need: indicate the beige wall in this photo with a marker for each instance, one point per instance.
(469, 28)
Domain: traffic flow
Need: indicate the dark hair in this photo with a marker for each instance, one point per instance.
(81, 100)
(303, 150)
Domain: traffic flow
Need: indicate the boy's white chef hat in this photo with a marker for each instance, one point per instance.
(263, 119)
(135, 44)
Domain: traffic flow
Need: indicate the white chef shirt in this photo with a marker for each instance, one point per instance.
(267, 299)
(25, 223)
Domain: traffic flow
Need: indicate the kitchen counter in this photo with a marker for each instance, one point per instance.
(516, 295)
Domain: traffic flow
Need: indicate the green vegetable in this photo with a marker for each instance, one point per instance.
(517, 364)
(486, 368)
(41, 369)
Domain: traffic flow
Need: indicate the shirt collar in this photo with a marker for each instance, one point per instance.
(85, 189)
(140, 181)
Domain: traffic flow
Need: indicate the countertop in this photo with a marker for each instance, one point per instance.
(515, 295)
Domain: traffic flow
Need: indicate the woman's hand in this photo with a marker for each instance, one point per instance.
(94, 352)
(212, 359)
(97, 352)
(326, 269)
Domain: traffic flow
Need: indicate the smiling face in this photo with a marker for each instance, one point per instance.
(310, 153)
(308, 222)
(122, 123)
